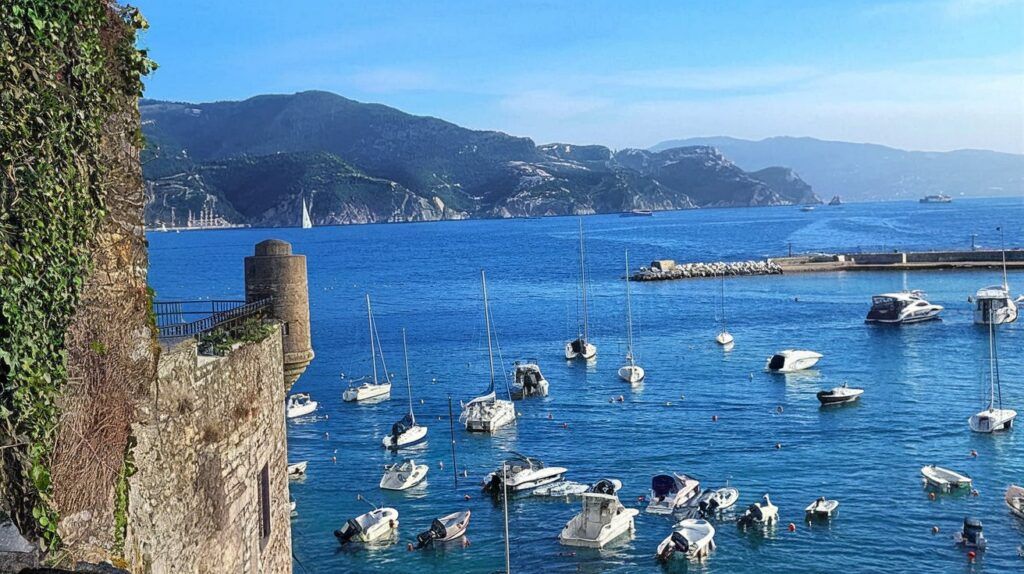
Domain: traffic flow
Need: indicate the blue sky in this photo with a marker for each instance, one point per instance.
(915, 74)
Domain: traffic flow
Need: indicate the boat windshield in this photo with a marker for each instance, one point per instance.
(883, 303)
(662, 485)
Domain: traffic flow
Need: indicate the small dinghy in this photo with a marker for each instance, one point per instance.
(300, 404)
(671, 493)
(944, 478)
(403, 475)
(566, 488)
(528, 381)
(375, 526)
(444, 529)
(1015, 500)
(792, 360)
(298, 469)
(839, 395)
(711, 502)
(602, 520)
(520, 474)
(693, 538)
(821, 507)
(763, 512)
(971, 536)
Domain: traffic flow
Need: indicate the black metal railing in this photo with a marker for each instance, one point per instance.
(176, 319)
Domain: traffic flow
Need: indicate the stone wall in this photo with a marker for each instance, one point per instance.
(202, 441)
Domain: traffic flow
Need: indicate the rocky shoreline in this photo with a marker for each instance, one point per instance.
(667, 270)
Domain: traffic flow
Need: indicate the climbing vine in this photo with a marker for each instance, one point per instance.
(65, 67)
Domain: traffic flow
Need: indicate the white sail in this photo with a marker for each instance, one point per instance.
(307, 223)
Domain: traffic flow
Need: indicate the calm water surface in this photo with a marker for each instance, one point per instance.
(921, 381)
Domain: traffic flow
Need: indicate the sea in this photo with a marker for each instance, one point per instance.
(710, 413)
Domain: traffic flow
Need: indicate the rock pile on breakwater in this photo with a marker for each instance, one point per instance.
(666, 270)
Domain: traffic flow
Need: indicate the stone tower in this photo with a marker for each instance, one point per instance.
(273, 271)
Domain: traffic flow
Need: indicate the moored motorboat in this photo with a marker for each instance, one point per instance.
(444, 529)
(378, 525)
(669, 493)
(763, 512)
(693, 538)
(821, 507)
(971, 535)
(521, 473)
(566, 488)
(791, 360)
(298, 469)
(528, 381)
(944, 478)
(713, 501)
(994, 305)
(403, 475)
(300, 404)
(602, 520)
(1014, 499)
(839, 395)
(902, 308)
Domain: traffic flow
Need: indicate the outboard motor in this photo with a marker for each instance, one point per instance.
(493, 486)
(436, 531)
(680, 542)
(753, 513)
(603, 486)
(972, 535)
(708, 508)
(347, 532)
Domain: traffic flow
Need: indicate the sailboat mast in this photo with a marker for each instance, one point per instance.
(1002, 248)
(723, 299)
(583, 285)
(504, 498)
(991, 362)
(487, 322)
(373, 348)
(629, 315)
(408, 380)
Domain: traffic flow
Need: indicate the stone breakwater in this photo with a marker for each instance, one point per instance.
(666, 271)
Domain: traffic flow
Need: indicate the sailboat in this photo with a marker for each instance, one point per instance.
(993, 419)
(406, 432)
(995, 304)
(581, 347)
(368, 389)
(307, 222)
(487, 413)
(631, 372)
(724, 337)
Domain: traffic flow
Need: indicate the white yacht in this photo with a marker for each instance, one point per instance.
(528, 381)
(791, 360)
(670, 493)
(1014, 498)
(994, 417)
(300, 404)
(994, 304)
(602, 520)
(373, 388)
(902, 308)
(693, 538)
(403, 475)
(839, 395)
(444, 529)
(488, 413)
(944, 478)
(763, 513)
(406, 432)
(581, 347)
(378, 525)
(631, 372)
(520, 474)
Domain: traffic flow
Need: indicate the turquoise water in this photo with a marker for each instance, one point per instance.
(921, 381)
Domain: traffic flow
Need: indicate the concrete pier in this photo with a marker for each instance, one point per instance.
(667, 270)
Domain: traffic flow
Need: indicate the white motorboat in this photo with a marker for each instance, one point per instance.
(807, 208)
(378, 525)
(1014, 498)
(670, 493)
(602, 520)
(839, 395)
(406, 432)
(994, 305)
(821, 507)
(763, 513)
(403, 475)
(693, 538)
(902, 308)
(713, 501)
(631, 372)
(994, 417)
(566, 488)
(521, 473)
(444, 529)
(372, 388)
(944, 478)
(528, 381)
(791, 360)
(300, 404)
(581, 347)
(937, 198)
(298, 469)
(488, 413)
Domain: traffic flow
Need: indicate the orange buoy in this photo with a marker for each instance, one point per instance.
(792, 527)
(971, 555)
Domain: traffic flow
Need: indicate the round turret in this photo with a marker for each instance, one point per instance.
(274, 272)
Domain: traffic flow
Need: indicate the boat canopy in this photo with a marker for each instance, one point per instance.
(579, 345)
(604, 486)
(483, 399)
(663, 484)
(400, 427)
